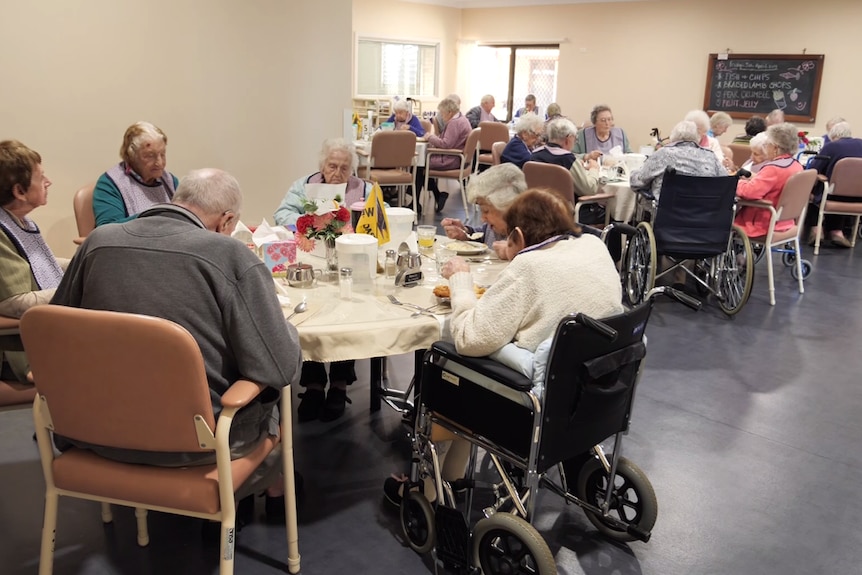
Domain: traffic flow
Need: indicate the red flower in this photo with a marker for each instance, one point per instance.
(303, 223)
(342, 215)
(803, 137)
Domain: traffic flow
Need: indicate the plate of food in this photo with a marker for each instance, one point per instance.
(464, 248)
(443, 295)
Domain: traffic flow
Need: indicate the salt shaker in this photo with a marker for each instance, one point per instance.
(389, 266)
(345, 283)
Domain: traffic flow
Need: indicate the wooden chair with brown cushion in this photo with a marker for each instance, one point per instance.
(792, 204)
(85, 219)
(741, 153)
(845, 182)
(497, 152)
(392, 161)
(137, 382)
(460, 174)
(558, 178)
(492, 132)
(427, 126)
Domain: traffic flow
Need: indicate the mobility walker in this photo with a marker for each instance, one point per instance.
(587, 397)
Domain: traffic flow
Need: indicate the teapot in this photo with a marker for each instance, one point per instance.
(302, 275)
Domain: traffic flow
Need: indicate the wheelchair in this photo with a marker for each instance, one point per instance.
(589, 388)
(693, 222)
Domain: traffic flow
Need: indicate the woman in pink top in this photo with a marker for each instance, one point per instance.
(781, 143)
(454, 137)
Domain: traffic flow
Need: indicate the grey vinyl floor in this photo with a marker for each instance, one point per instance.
(748, 427)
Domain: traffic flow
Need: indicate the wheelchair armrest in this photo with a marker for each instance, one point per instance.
(487, 367)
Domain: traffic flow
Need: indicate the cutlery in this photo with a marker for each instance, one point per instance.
(301, 307)
(419, 310)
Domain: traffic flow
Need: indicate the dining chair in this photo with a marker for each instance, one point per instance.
(792, 204)
(845, 182)
(427, 126)
(460, 174)
(497, 152)
(136, 382)
(559, 179)
(82, 203)
(741, 153)
(491, 133)
(13, 394)
(392, 161)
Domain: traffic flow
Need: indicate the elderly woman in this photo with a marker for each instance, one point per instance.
(522, 308)
(454, 136)
(682, 153)
(554, 112)
(758, 153)
(841, 145)
(403, 118)
(493, 190)
(337, 164)
(29, 272)
(602, 135)
(528, 134)
(829, 125)
(338, 161)
(139, 180)
(701, 120)
(719, 123)
(781, 143)
(753, 126)
(530, 107)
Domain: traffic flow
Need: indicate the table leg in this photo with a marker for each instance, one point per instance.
(376, 383)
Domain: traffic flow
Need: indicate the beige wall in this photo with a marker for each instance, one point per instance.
(252, 87)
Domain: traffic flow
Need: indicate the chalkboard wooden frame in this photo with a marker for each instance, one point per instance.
(736, 112)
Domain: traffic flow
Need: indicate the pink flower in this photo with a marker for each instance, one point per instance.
(304, 243)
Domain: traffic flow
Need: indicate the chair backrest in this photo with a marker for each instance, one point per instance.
(542, 175)
(796, 194)
(427, 126)
(118, 380)
(847, 177)
(589, 383)
(741, 153)
(471, 148)
(82, 203)
(497, 151)
(695, 218)
(492, 132)
(393, 149)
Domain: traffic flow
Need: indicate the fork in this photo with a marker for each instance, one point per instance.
(419, 310)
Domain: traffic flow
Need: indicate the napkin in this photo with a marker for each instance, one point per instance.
(265, 233)
(243, 234)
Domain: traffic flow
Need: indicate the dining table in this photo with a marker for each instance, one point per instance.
(624, 201)
(368, 325)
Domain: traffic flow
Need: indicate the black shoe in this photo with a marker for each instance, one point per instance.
(441, 200)
(311, 405)
(333, 408)
(392, 490)
(244, 511)
(274, 507)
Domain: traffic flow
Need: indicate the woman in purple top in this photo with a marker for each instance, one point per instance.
(403, 118)
(454, 137)
(599, 138)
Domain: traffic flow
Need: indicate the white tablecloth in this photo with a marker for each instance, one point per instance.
(623, 204)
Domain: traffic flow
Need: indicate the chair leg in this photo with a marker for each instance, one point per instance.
(143, 533)
(107, 515)
(468, 217)
(769, 272)
(855, 231)
(291, 527)
(49, 533)
(798, 263)
(820, 232)
(228, 540)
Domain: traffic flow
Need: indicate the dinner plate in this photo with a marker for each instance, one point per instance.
(463, 248)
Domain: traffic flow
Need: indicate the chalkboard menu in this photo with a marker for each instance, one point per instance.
(745, 85)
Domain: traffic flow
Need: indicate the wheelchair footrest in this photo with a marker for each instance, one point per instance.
(453, 537)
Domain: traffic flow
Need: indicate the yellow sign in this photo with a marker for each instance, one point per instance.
(373, 220)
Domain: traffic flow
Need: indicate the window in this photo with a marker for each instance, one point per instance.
(511, 72)
(392, 67)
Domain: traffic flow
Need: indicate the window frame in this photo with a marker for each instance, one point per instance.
(435, 44)
(514, 47)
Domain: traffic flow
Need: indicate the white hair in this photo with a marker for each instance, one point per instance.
(529, 123)
(758, 141)
(499, 185)
(447, 104)
(700, 119)
(558, 129)
(720, 119)
(685, 131)
(212, 191)
(401, 106)
(783, 136)
(775, 117)
(339, 144)
(840, 130)
(487, 98)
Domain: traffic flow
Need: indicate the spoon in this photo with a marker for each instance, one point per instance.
(301, 307)
(475, 236)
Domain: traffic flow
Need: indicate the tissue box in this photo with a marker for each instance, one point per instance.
(278, 255)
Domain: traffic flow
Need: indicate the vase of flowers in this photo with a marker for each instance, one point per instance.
(322, 221)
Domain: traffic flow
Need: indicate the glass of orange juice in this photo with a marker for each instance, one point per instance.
(425, 236)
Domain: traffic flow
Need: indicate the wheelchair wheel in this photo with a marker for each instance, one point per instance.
(640, 264)
(806, 270)
(736, 272)
(788, 258)
(633, 499)
(507, 544)
(417, 522)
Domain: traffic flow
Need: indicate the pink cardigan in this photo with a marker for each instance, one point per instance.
(454, 137)
(765, 185)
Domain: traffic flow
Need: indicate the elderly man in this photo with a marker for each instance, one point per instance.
(682, 153)
(482, 112)
(529, 106)
(176, 261)
(403, 118)
(841, 145)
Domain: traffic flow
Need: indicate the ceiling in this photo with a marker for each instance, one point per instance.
(509, 3)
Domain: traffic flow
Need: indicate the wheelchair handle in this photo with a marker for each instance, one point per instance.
(624, 228)
(596, 325)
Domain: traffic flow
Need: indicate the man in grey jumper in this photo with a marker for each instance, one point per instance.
(168, 263)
